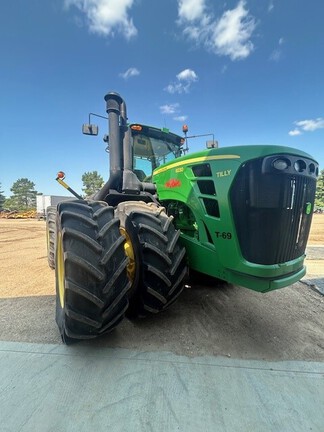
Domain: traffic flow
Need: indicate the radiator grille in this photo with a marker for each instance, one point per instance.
(269, 209)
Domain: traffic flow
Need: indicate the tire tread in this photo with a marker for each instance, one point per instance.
(95, 276)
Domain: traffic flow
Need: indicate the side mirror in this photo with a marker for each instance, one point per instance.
(212, 144)
(90, 129)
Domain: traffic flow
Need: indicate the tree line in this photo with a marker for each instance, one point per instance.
(319, 197)
(24, 194)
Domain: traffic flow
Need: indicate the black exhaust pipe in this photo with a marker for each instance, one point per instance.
(122, 178)
(113, 108)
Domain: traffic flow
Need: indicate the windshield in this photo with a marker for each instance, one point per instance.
(153, 147)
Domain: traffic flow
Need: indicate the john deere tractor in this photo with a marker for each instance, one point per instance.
(240, 214)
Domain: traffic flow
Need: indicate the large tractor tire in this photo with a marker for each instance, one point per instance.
(91, 270)
(157, 262)
(51, 234)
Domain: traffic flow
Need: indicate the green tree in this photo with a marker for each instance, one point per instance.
(24, 195)
(92, 182)
(11, 204)
(2, 198)
(319, 197)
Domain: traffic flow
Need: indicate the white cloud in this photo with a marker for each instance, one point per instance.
(294, 132)
(233, 31)
(307, 126)
(311, 125)
(275, 55)
(187, 75)
(184, 81)
(106, 17)
(271, 6)
(173, 109)
(169, 108)
(131, 72)
(181, 118)
(191, 10)
(174, 88)
(229, 35)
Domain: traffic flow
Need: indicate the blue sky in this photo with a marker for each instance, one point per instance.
(248, 71)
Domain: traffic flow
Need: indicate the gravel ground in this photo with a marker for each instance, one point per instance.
(225, 320)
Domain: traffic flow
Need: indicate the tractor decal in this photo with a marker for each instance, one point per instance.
(172, 183)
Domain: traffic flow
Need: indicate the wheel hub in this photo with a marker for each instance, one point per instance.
(129, 251)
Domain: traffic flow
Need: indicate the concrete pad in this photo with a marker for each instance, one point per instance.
(54, 388)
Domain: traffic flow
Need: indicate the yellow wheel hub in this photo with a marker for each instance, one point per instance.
(60, 269)
(129, 251)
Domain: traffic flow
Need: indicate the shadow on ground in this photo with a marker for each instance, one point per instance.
(225, 320)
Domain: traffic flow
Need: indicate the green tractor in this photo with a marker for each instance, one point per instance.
(239, 214)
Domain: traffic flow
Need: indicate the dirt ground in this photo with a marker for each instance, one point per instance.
(224, 320)
(316, 235)
(316, 238)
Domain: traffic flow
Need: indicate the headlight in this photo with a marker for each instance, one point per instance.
(300, 165)
(281, 164)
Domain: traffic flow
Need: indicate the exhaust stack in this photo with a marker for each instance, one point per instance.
(113, 108)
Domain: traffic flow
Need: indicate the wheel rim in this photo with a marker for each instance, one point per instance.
(129, 251)
(60, 269)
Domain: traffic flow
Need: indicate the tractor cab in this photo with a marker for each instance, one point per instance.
(153, 147)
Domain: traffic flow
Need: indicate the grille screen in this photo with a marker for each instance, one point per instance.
(269, 209)
(202, 170)
(212, 207)
(206, 187)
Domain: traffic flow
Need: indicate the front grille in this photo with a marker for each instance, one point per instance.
(271, 211)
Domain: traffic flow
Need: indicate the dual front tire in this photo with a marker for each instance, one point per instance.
(157, 259)
(91, 277)
(109, 263)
